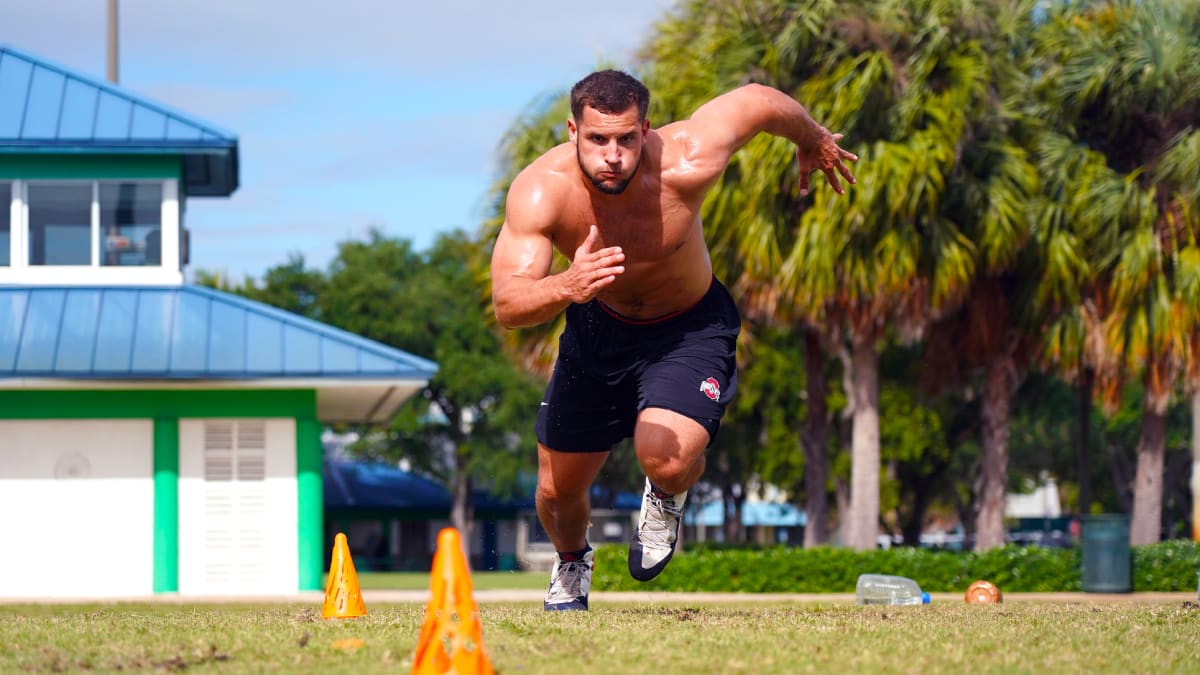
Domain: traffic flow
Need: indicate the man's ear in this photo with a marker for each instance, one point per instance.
(645, 128)
(572, 131)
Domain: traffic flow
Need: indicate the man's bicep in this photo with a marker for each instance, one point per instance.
(726, 123)
(520, 251)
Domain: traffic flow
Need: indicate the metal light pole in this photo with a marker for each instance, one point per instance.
(112, 41)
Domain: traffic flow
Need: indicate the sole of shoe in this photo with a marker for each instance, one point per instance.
(579, 605)
(645, 573)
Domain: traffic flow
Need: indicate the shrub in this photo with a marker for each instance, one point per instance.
(1167, 566)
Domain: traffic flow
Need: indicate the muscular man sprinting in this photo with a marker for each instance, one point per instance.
(648, 349)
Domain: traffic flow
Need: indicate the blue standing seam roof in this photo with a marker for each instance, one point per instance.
(179, 332)
(351, 485)
(45, 108)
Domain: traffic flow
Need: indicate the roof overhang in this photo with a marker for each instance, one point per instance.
(210, 169)
(46, 108)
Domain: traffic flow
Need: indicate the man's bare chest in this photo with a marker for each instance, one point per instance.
(644, 231)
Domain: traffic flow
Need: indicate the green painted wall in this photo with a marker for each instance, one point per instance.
(16, 404)
(89, 167)
(311, 502)
(166, 505)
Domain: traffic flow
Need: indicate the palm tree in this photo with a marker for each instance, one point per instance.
(1121, 76)
(914, 86)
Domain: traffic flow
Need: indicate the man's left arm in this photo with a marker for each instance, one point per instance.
(723, 125)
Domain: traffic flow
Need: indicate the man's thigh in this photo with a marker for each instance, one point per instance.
(566, 474)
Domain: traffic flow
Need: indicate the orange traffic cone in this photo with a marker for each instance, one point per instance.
(452, 637)
(343, 597)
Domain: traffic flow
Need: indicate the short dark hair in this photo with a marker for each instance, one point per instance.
(610, 92)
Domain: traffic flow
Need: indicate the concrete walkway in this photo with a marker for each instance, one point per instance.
(371, 597)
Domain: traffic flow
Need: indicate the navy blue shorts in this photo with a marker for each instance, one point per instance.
(611, 367)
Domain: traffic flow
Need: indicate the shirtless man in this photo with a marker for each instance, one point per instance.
(648, 348)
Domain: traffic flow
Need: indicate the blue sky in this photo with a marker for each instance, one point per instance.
(350, 114)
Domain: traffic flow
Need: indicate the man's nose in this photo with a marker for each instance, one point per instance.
(612, 153)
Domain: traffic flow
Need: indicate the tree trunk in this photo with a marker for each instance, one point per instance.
(462, 512)
(732, 524)
(997, 393)
(923, 487)
(1196, 466)
(815, 439)
(1087, 378)
(1122, 476)
(864, 463)
(841, 496)
(1146, 524)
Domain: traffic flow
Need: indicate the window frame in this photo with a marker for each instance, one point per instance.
(11, 209)
(167, 271)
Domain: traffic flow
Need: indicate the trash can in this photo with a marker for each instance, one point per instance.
(1106, 555)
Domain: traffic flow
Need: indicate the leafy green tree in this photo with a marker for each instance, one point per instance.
(471, 427)
(759, 441)
(291, 286)
(915, 448)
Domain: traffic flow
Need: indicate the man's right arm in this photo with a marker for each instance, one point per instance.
(524, 293)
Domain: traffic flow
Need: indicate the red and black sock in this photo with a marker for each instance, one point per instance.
(573, 556)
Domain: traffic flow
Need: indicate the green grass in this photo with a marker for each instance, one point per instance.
(687, 637)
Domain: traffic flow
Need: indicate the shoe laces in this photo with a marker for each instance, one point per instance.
(662, 519)
(567, 583)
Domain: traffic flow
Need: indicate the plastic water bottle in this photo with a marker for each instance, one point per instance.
(884, 589)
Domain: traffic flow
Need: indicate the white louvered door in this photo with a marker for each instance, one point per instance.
(235, 459)
(237, 507)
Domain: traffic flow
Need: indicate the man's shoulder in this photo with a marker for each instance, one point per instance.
(555, 160)
(552, 172)
(538, 192)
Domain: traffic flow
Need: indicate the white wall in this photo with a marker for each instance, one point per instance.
(77, 505)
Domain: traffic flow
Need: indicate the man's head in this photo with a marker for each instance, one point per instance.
(608, 127)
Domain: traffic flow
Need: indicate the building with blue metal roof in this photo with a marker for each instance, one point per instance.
(169, 435)
(50, 110)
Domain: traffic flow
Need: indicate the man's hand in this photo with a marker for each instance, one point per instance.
(825, 155)
(592, 270)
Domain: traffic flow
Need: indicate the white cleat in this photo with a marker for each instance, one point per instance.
(658, 528)
(570, 582)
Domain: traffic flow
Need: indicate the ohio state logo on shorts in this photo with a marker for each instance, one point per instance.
(711, 388)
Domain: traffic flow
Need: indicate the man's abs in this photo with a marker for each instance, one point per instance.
(651, 290)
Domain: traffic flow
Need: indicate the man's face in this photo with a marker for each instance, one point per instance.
(609, 146)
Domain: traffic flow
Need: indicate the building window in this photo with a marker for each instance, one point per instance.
(5, 223)
(131, 224)
(106, 223)
(60, 224)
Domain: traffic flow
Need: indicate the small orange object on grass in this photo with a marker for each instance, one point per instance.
(451, 638)
(983, 592)
(343, 597)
